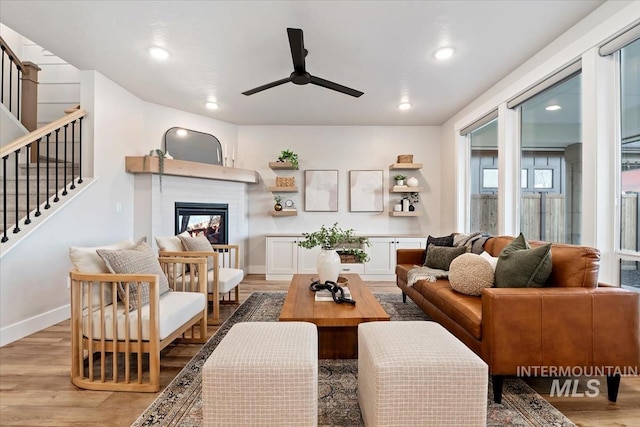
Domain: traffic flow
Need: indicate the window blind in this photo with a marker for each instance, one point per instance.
(620, 40)
(479, 123)
(544, 84)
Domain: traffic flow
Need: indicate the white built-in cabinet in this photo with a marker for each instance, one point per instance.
(285, 258)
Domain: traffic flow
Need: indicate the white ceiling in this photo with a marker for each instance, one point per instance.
(220, 49)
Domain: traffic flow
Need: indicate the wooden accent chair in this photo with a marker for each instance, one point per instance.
(224, 277)
(109, 342)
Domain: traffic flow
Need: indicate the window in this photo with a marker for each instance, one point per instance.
(483, 183)
(551, 162)
(629, 160)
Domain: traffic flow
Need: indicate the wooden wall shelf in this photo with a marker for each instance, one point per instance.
(281, 165)
(283, 213)
(172, 167)
(393, 166)
(276, 189)
(414, 213)
(406, 189)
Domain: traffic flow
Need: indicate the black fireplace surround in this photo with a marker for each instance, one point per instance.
(210, 219)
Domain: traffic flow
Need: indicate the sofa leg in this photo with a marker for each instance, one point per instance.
(404, 297)
(613, 383)
(497, 380)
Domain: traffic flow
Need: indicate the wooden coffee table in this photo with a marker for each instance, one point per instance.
(337, 323)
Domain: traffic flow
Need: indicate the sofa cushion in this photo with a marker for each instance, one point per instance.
(469, 274)
(463, 309)
(437, 241)
(519, 266)
(139, 259)
(228, 278)
(198, 243)
(440, 257)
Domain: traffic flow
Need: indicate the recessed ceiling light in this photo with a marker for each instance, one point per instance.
(158, 53)
(444, 53)
(181, 132)
(554, 107)
(404, 106)
(211, 105)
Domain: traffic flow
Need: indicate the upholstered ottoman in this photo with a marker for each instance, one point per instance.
(263, 374)
(418, 374)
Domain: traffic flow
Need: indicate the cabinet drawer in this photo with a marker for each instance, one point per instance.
(357, 268)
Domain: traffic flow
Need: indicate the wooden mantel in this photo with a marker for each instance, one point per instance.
(172, 167)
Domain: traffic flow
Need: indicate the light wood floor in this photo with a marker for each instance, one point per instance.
(35, 387)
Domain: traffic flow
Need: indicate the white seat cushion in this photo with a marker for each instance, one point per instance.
(175, 309)
(228, 279)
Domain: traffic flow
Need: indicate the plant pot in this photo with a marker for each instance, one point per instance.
(277, 207)
(412, 208)
(328, 265)
(400, 182)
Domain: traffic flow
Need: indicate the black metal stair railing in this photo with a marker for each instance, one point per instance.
(22, 148)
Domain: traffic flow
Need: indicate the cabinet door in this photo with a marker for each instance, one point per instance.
(308, 260)
(411, 243)
(382, 256)
(282, 255)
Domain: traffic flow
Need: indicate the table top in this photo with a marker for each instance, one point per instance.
(300, 304)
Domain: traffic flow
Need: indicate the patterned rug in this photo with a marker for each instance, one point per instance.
(180, 404)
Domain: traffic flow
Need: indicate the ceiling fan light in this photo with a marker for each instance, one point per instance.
(211, 105)
(444, 53)
(554, 107)
(404, 106)
(158, 53)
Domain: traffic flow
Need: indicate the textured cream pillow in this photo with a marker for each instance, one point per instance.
(493, 260)
(171, 243)
(198, 243)
(469, 274)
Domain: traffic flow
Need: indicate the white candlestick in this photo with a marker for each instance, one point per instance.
(233, 153)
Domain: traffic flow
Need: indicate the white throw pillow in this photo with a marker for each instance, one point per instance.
(493, 260)
(171, 243)
(469, 274)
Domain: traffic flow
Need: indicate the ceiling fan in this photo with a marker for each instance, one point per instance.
(300, 76)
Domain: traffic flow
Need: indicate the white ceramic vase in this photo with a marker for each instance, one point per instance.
(328, 266)
(412, 182)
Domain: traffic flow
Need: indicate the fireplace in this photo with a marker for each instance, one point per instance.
(209, 219)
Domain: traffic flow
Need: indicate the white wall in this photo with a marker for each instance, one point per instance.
(581, 40)
(343, 148)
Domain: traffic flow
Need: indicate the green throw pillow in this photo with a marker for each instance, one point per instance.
(440, 257)
(519, 266)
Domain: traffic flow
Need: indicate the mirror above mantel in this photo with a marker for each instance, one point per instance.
(193, 146)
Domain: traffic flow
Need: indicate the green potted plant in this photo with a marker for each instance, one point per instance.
(399, 179)
(161, 155)
(413, 198)
(289, 156)
(277, 207)
(333, 239)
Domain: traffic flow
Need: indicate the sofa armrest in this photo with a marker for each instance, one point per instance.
(409, 256)
(559, 327)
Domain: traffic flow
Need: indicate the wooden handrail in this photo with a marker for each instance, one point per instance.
(12, 54)
(40, 132)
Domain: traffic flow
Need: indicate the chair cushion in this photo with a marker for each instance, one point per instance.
(174, 309)
(139, 259)
(87, 260)
(228, 278)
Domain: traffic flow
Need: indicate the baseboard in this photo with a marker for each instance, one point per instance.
(26, 327)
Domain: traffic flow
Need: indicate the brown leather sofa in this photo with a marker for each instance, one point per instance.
(572, 322)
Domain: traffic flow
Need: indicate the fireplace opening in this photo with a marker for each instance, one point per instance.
(208, 219)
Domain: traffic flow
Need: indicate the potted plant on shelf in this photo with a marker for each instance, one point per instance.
(277, 207)
(289, 156)
(414, 199)
(331, 239)
(161, 155)
(399, 179)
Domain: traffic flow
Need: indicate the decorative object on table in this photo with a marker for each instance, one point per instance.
(277, 207)
(397, 207)
(399, 179)
(193, 146)
(285, 181)
(365, 194)
(289, 156)
(332, 239)
(405, 158)
(337, 292)
(413, 182)
(321, 190)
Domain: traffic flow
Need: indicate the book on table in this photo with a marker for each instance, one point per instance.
(325, 295)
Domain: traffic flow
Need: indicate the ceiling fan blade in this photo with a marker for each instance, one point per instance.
(335, 86)
(267, 86)
(296, 43)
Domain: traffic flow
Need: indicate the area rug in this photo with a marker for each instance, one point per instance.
(180, 404)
